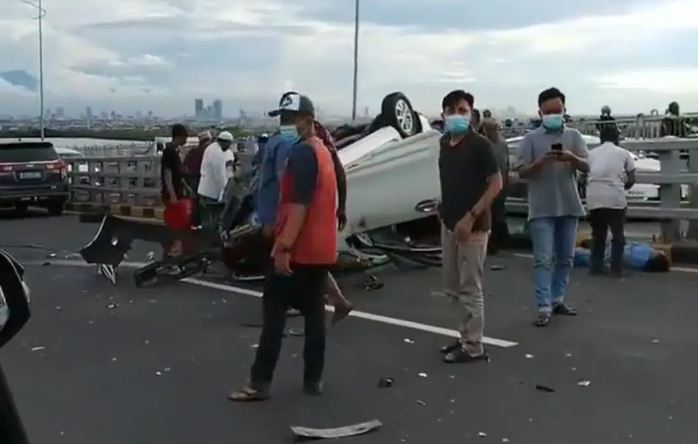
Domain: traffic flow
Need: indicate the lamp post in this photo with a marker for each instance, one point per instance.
(42, 13)
(356, 57)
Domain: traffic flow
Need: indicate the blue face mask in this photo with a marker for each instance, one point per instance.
(552, 122)
(457, 124)
(288, 132)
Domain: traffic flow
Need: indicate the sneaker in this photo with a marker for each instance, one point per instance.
(314, 388)
(460, 356)
(564, 310)
(542, 320)
(446, 349)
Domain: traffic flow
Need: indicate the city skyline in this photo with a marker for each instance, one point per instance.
(161, 54)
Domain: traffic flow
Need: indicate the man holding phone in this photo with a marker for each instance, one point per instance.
(549, 158)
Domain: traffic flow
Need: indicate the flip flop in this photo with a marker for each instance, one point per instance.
(248, 394)
(341, 312)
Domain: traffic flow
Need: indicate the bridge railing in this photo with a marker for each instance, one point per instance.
(135, 181)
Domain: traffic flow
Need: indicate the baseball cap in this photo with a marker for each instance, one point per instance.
(292, 101)
(225, 136)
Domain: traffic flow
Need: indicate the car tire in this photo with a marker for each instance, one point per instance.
(397, 111)
(55, 208)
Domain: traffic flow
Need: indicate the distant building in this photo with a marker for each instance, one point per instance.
(217, 110)
(199, 108)
(60, 112)
(88, 113)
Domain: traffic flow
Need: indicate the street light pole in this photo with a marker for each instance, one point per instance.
(42, 13)
(356, 57)
(41, 66)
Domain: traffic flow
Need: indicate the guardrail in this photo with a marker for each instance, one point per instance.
(135, 181)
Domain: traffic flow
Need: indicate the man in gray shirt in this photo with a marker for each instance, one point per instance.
(549, 158)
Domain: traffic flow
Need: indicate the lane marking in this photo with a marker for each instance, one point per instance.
(258, 294)
(360, 314)
(680, 269)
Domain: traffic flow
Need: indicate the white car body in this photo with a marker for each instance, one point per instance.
(388, 176)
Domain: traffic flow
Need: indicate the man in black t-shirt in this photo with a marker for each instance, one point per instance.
(470, 181)
(171, 166)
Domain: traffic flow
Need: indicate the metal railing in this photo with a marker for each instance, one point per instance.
(136, 181)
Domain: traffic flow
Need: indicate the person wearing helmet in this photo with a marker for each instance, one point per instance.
(606, 120)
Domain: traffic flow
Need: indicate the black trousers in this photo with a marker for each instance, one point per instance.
(499, 237)
(11, 428)
(304, 290)
(601, 220)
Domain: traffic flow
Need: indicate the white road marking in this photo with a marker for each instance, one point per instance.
(680, 269)
(361, 315)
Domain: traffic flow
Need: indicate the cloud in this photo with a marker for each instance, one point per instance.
(670, 81)
(247, 53)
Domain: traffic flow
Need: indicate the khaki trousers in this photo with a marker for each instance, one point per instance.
(463, 264)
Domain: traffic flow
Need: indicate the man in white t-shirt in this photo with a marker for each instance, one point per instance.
(217, 167)
(611, 173)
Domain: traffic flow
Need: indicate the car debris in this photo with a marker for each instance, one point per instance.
(505, 440)
(423, 375)
(112, 306)
(338, 432)
(655, 341)
(158, 373)
(372, 283)
(497, 267)
(39, 348)
(545, 388)
(422, 403)
(408, 341)
(297, 332)
(386, 382)
(529, 356)
(482, 435)
(584, 383)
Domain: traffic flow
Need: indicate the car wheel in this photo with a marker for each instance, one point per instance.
(398, 112)
(55, 208)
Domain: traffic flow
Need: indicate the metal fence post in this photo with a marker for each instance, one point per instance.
(693, 194)
(670, 194)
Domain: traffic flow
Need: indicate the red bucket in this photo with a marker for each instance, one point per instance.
(178, 216)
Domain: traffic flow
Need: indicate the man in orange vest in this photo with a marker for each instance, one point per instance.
(305, 247)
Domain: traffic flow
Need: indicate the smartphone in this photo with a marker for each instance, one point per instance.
(556, 147)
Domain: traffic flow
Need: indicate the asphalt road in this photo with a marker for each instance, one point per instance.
(117, 364)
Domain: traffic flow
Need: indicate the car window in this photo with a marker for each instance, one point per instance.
(27, 152)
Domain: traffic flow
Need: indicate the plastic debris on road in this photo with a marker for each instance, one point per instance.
(568, 355)
(386, 382)
(422, 375)
(584, 383)
(545, 388)
(112, 306)
(422, 403)
(482, 435)
(297, 332)
(408, 341)
(529, 356)
(338, 432)
(497, 267)
(505, 439)
(158, 373)
(39, 348)
(655, 341)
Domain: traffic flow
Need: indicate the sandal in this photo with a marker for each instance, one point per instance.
(248, 394)
(341, 311)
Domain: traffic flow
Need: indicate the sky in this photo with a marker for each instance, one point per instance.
(159, 55)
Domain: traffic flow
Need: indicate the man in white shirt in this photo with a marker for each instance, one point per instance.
(216, 167)
(611, 173)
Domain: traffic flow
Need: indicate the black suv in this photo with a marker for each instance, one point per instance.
(31, 173)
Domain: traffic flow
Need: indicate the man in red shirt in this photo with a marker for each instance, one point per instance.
(305, 247)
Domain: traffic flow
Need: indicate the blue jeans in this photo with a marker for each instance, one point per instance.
(553, 254)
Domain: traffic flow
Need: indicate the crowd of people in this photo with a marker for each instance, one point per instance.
(300, 194)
